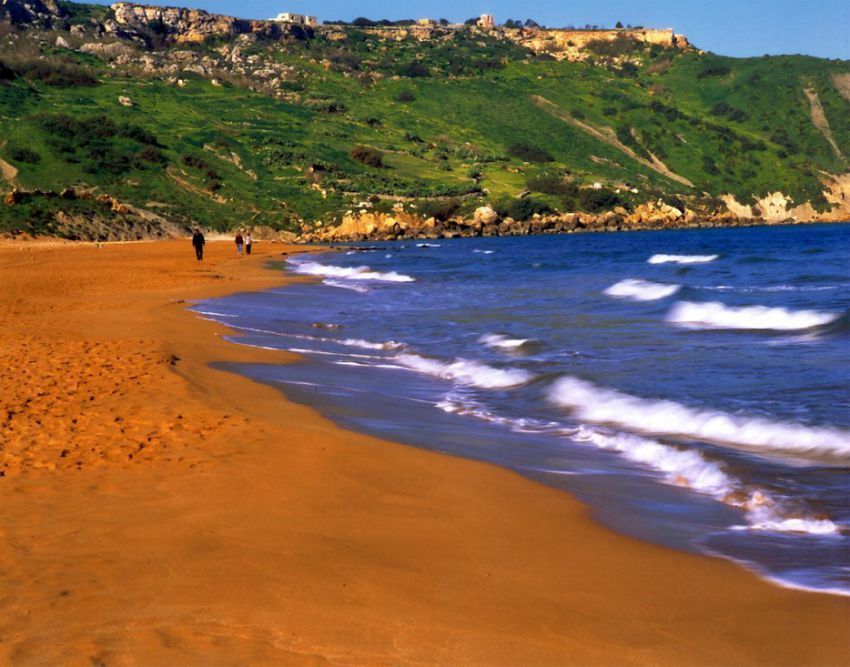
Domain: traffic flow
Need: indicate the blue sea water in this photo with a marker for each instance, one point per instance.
(690, 386)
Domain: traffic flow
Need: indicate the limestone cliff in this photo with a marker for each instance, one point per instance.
(192, 25)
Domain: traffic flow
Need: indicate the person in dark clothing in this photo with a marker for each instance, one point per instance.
(239, 243)
(248, 242)
(198, 243)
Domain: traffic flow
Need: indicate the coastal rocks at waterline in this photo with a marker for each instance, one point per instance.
(486, 222)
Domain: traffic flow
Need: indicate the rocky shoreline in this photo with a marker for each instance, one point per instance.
(369, 226)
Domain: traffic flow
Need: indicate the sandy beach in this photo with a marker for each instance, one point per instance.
(156, 511)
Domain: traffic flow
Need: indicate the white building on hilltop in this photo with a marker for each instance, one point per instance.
(297, 19)
(487, 21)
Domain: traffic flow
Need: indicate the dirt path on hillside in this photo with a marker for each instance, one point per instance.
(820, 121)
(608, 136)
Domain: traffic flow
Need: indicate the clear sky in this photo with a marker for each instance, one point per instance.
(729, 27)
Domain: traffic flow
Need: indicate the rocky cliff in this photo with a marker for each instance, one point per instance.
(193, 25)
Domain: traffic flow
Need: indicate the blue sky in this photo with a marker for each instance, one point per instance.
(729, 27)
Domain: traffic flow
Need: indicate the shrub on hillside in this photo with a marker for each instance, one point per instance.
(6, 73)
(149, 156)
(612, 48)
(725, 110)
(367, 155)
(195, 162)
(23, 154)
(529, 153)
(596, 201)
(56, 71)
(405, 96)
(713, 69)
(551, 184)
(521, 209)
(98, 143)
(414, 70)
(439, 209)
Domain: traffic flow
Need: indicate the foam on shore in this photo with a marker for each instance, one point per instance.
(682, 467)
(358, 273)
(466, 372)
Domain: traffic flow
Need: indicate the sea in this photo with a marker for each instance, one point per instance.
(691, 387)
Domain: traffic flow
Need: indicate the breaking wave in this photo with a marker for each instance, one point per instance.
(679, 467)
(348, 273)
(682, 259)
(662, 417)
(641, 290)
(714, 315)
(688, 468)
(463, 371)
(360, 289)
(505, 343)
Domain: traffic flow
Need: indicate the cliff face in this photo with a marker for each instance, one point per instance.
(573, 44)
(192, 25)
(20, 12)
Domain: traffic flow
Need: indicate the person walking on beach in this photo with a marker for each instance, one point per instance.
(239, 242)
(248, 242)
(198, 244)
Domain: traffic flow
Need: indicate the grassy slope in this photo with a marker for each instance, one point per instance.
(762, 139)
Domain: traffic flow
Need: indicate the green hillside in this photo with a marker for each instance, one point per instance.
(449, 122)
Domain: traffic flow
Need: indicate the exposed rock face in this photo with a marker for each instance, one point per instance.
(193, 25)
(109, 220)
(29, 11)
(572, 44)
(772, 209)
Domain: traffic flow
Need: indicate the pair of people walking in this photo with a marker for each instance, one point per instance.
(246, 242)
(198, 243)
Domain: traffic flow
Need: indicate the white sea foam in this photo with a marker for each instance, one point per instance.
(714, 315)
(641, 290)
(359, 273)
(428, 245)
(484, 252)
(369, 345)
(661, 417)
(682, 259)
(466, 372)
(686, 468)
(775, 288)
(503, 343)
(388, 345)
(213, 313)
(689, 469)
(360, 289)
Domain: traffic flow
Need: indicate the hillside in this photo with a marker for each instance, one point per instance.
(132, 120)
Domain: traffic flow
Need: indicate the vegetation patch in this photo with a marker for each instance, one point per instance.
(367, 155)
(528, 153)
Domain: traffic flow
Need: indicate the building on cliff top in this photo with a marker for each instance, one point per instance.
(297, 19)
(487, 21)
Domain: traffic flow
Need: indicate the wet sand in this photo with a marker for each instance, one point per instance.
(155, 511)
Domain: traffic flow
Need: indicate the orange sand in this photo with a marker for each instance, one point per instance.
(154, 511)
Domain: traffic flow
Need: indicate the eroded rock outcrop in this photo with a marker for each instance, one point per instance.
(193, 25)
(20, 12)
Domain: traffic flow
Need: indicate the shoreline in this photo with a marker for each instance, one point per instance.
(369, 227)
(259, 532)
